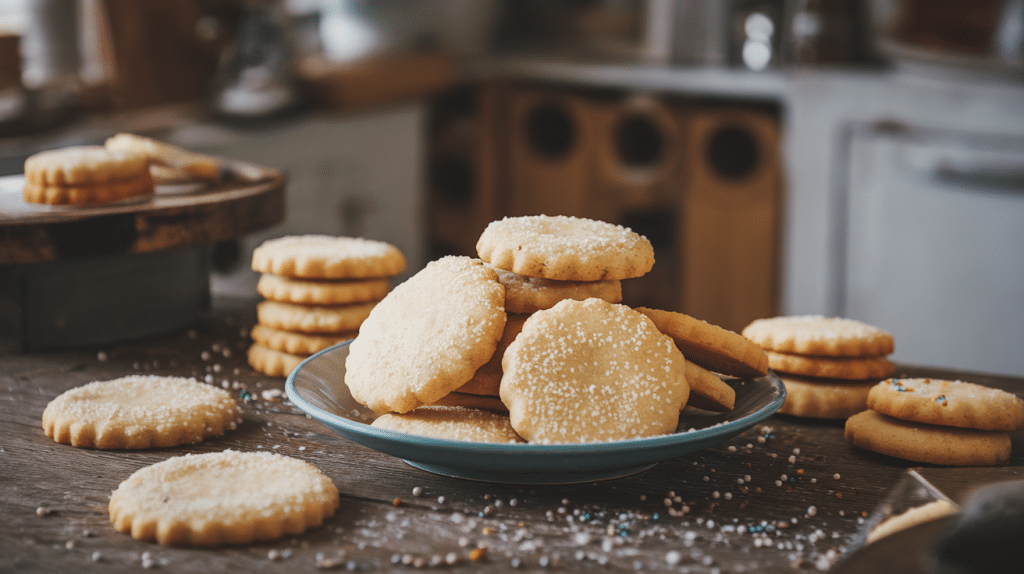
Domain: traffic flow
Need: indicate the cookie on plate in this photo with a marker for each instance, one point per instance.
(708, 391)
(452, 423)
(529, 294)
(565, 248)
(328, 257)
(427, 337)
(710, 346)
(140, 411)
(586, 371)
(222, 498)
(921, 442)
(86, 175)
(487, 379)
(171, 163)
(819, 336)
(948, 403)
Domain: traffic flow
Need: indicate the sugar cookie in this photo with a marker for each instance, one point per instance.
(222, 498)
(140, 411)
(824, 398)
(296, 343)
(427, 337)
(168, 157)
(321, 291)
(565, 248)
(314, 319)
(476, 401)
(708, 391)
(88, 194)
(272, 362)
(831, 367)
(950, 403)
(84, 165)
(819, 335)
(452, 423)
(710, 346)
(921, 442)
(529, 294)
(487, 379)
(590, 370)
(327, 257)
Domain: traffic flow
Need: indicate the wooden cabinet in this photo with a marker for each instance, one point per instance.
(700, 179)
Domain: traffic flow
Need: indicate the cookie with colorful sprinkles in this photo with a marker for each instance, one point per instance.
(949, 403)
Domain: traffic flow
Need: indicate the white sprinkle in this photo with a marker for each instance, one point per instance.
(417, 491)
(811, 511)
(836, 476)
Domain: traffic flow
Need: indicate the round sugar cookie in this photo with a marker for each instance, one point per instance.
(831, 367)
(921, 442)
(90, 193)
(824, 398)
(427, 337)
(586, 371)
(168, 158)
(327, 257)
(272, 362)
(716, 349)
(321, 291)
(84, 165)
(708, 391)
(565, 248)
(452, 423)
(296, 343)
(949, 403)
(819, 335)
(313, 319)
(222, 498)
(529, 294)
(140, 411)
(487, 379)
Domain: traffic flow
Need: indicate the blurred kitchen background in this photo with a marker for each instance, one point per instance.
(858, 158)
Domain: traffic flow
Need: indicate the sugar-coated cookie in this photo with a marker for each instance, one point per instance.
(272, 362)
(710, 346)
(140, 411)
(427, 337)
(824, 398)
(321, 291)
(474, 401)
(327, 257)
(565, 248)
(222, 498)
(296, 343)
(452, 423)
(314, 319)
(487, 379)
(856, 368)
(182, 163)
(950, 403)
(529, 294)
(819, 335)
(590, 370)
(921, 442)
(708, 391)
(84, 165)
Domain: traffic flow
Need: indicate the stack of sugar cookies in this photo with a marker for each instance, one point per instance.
(86, 175)
(317, 291)
(828, 364)
(530, 343)
(938, 422)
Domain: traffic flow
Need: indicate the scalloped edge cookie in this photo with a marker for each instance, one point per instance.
(315, 256)
(922, 442)
(715, 348)
(949, 403)
(819, 335)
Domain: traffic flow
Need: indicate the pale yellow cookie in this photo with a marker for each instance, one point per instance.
(565, 248)
(222, 498)
(272, 362)
(825, 398)
(452, 423)
(321, 291)
(140, 411)
(89, 193)
(529, 294)
(831, 367)
(168, 157)
(921, 442)
(84, 165)
(587, 371)
(327, 257)
(950, 403)
(708, 391)
(710, 346)
(912, 517)
(819, 335)
(314, 319)
(487, 379)
(296, 343)
(427, 337)
(468, 400)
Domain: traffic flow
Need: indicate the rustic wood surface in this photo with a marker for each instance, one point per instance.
(691, 514)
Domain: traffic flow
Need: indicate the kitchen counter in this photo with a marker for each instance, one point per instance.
(787, 494)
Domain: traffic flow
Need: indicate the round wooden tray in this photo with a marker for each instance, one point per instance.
(176, 216)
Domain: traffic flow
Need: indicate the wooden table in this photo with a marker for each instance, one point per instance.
(786, 495)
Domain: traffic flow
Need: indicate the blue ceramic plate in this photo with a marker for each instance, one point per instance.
(317, 386)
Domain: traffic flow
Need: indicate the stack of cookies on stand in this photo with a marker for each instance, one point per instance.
(938, 421)
(828, 364)
(317, 290)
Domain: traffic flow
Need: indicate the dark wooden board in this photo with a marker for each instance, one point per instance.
(617, 525)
